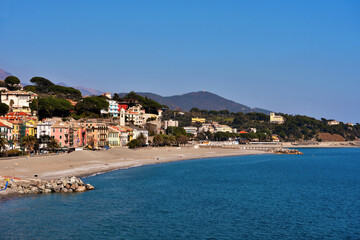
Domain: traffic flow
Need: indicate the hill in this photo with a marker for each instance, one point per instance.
(4, 74)
(87, 91)
(201, 100)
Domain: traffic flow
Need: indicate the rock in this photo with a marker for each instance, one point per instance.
(74, 186)
(68, 186)
(70, 190)
(57, 189)
(34, 190)
(47, 191)
(81, 189)
(89, 187)
(73, 180)
(64, 190)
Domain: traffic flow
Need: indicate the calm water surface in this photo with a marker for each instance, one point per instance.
(314, 196)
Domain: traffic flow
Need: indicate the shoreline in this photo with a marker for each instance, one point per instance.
(88, 163)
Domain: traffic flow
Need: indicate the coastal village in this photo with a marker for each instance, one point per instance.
(121, 122)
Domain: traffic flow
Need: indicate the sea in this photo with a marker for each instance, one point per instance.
(310, 196)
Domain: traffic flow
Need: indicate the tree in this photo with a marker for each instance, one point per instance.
(91, 105)
(12, 82)
(3, 143)
(29, 142)
(195, 110)
(176, 131)
(182, 139)
(51, 106)
(53, 144)
(4, 109)
(42, 84)
(134, 144)
(158, 140)
(142, 139)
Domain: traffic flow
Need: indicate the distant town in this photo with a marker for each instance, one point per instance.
(45, 117)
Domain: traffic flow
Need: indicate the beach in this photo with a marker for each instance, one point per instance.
(86, 163)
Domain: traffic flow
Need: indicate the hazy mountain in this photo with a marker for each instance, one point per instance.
(4, 74)
(88, 91)
(201, 100)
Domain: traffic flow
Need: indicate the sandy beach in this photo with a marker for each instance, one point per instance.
(85, 163)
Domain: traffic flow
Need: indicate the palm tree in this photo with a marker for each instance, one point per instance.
(53, 144)
(29, 142)
(3, 143)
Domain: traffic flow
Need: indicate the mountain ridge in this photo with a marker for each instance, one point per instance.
(4, 74)
(200, 99)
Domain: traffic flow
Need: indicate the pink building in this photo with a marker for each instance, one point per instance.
(60, 131)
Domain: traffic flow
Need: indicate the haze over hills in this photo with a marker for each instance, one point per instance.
(202, 100)
(4, 74)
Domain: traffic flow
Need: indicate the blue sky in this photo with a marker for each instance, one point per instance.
(297, 57)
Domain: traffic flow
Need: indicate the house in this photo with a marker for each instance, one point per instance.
(333, 122)
(223, 128)
(192, 130)
(276, 118)
(114, 136)
(96, 132)
(200, 120)
(60, 132)
(6, 131)
(137, 132)
(170, 123)
(207, 127)
(18, 100)
(113, 110)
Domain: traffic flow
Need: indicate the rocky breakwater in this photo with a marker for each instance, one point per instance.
(37, 186)
(287, 151)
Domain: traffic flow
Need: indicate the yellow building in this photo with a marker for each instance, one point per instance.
(31, 128)
(201, 120)
(276, 118)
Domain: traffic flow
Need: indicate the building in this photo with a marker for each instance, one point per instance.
(96, 133)
(207, 127)
(200, 120)
(137, 132)
(60, 132)
(18, 100)
(171, 123)
(6, 131)
(114, 136)
(276, 118)
(113, 109)
(223, 128)
(333, 122)
(192, 130)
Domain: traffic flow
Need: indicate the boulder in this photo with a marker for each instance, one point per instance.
(34, 190)
(81, 189)
(74, 186)
(57, 189)
(47, 191)
(89, 187)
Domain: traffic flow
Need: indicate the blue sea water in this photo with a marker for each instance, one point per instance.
(311, 196)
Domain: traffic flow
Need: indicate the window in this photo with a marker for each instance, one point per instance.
(60, 129)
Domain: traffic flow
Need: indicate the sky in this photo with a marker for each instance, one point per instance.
(296, 57)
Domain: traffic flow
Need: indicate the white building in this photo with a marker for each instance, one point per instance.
(192, 130)
(138, 131)
(171, 123)
(43, 129)
(18, 99)
(113, 109)
(333, 122)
